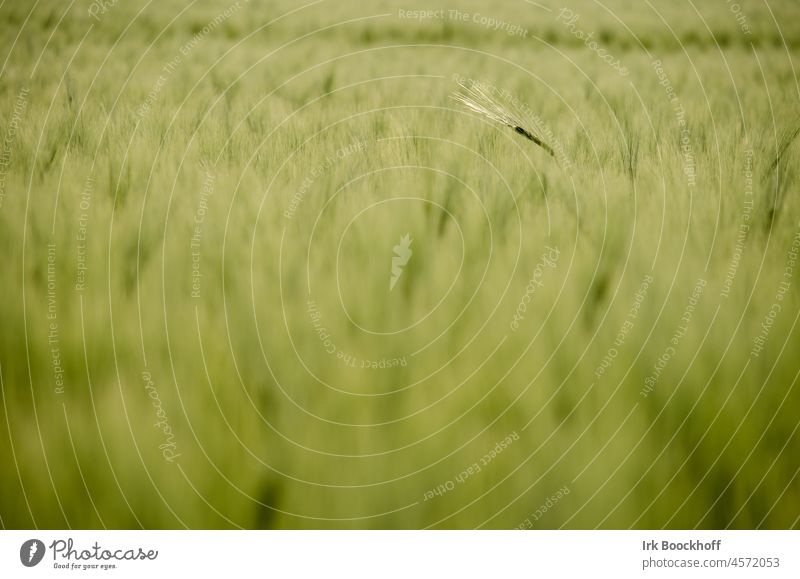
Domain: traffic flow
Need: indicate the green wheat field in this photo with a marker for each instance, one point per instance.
(261, 270)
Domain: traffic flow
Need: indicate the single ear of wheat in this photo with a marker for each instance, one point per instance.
(476, 99)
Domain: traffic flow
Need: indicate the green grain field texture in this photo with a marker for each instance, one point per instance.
(199, 205)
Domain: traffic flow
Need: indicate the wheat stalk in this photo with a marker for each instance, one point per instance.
(476, 99)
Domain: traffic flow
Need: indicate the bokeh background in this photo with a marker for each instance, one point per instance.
(201, 202)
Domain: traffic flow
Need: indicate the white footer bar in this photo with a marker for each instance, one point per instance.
(388, 554)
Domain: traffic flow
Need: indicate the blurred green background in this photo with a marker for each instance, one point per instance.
(198, 213)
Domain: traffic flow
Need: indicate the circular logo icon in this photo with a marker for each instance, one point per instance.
(31, 552)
